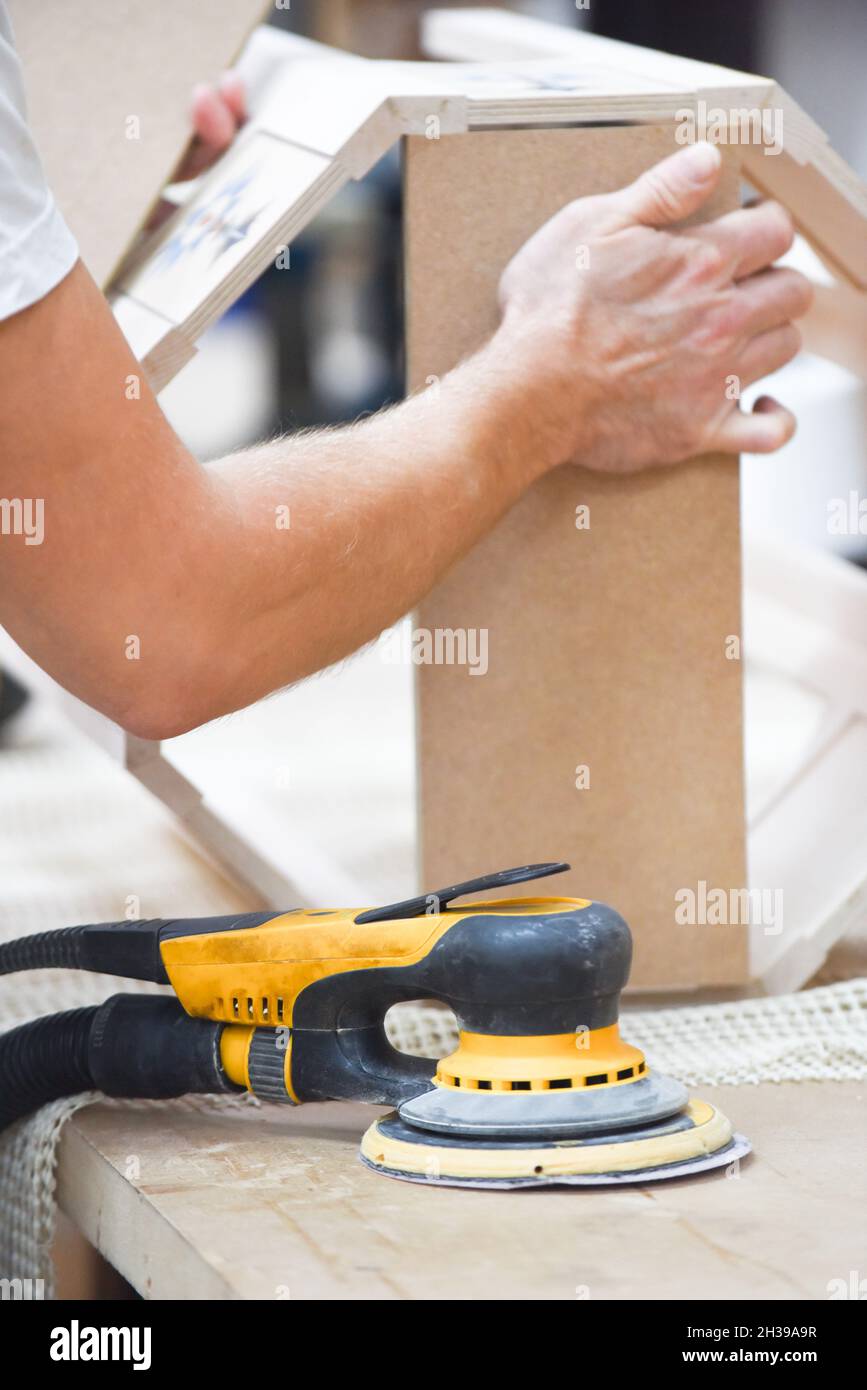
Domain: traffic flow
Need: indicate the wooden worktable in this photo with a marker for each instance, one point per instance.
(273, 1203)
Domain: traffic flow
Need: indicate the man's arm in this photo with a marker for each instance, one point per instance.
(145, 551)
(196, 565)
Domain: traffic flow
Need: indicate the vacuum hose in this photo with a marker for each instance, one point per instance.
(44, 1060)
(134, 1045)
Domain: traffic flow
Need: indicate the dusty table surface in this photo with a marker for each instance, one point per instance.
(273, 1203)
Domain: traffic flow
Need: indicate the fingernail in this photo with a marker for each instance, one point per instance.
(701, 161)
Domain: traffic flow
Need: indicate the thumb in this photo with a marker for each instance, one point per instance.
(672, 189)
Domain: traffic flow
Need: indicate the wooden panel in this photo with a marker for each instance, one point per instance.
(607, 646)
(80, 1271)
(273, 1203)
(88, 68)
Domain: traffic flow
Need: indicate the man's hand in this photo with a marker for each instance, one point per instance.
(216, 113)
(634, 340)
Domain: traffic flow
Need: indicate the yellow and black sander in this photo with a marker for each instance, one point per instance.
(291, 1007)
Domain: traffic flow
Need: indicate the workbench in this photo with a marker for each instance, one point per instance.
(247, 1202)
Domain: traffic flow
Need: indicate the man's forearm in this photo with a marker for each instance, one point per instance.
(166, 593)
(333, 535)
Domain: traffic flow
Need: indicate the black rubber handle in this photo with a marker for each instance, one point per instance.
(417, 907)
(523, 973)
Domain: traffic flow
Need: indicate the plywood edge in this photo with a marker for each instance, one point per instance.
(163, 354)
(134, 1235)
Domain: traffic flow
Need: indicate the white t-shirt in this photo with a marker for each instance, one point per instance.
(37, 248)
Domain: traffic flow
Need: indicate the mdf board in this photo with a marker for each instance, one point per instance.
(91, 70)
(607, 646)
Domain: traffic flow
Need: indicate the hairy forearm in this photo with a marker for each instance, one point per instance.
(166, 593)
(333, 535)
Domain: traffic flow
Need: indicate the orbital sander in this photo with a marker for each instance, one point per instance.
(541, 1088)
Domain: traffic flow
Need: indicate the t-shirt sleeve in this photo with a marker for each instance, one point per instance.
(37, 248)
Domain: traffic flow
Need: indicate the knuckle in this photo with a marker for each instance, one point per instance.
(727, 325)
(647, 245)
(785, 292)
(706, 261)
(793, 341)
(662, 195)
(689, 439)
(691, 426)
(785, 344)
(771, 432)
(581, 210)
(804, 294)
(783, 228)
(721, 324)
(676, 438)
